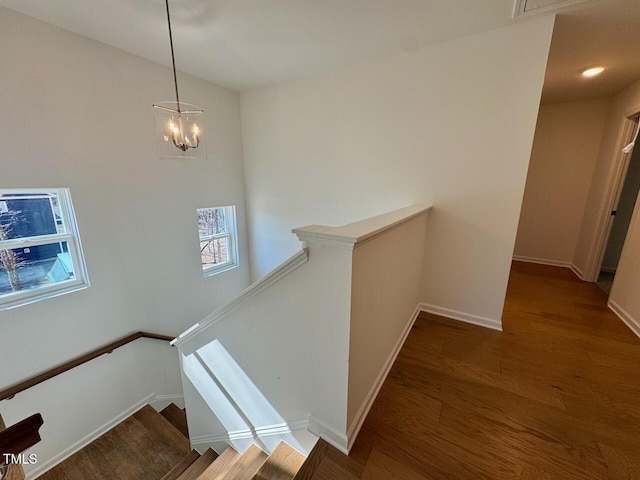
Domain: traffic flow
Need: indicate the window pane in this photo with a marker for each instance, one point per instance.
(211, 221)
(214, 252)
(29, 215)
(34, 267)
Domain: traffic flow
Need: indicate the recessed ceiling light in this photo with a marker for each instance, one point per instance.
(592, 72)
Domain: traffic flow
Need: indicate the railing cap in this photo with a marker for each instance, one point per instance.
(351, 235)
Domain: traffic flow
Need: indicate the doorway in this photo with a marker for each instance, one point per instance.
(621, 219)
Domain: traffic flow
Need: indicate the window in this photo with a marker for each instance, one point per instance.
(40, 252)
(218, 239)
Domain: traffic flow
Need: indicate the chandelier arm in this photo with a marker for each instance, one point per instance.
(173, 58)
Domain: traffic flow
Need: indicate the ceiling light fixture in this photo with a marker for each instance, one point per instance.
(179, 126)
(592, 72)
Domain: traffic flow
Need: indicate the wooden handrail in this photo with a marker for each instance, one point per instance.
(17, 438)
(11, 391)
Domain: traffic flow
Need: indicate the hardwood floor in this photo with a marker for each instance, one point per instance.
(144, 446)
(176, 417)
(555, 396)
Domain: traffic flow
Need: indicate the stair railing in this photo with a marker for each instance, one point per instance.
(10, 392)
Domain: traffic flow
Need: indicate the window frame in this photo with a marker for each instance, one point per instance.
(232, 242)
(74, 246)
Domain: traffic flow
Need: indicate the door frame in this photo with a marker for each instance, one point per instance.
(613, 190)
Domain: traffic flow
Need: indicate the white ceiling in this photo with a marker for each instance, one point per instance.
(247, 43)
(596, 33)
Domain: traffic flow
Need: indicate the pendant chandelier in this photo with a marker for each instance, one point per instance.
(179, 126)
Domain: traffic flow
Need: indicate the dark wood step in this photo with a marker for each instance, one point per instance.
(176, 417)
(182, 466)
(283, 464)
(218, 469)
(199, 466)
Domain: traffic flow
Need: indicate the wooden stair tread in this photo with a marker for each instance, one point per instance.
(176, 417)
(160, 426)
(311, 464)
(180, 467)
(199, 466)
(283, 464)
(145, 445)
(218, 469)
(247, 465)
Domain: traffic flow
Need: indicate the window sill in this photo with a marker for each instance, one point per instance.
(209, 272)
(54, 292)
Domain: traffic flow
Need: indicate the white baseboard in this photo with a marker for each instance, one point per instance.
(462, 316)
(356, 424)
(632, 323)
(575, 269)
(279, 429)
(542, 261)
(554, 263)
(259, 436)
(162, 401)
(328, 434)
(98, 432)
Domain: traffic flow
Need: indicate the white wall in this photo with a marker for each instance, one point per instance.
(77, 113)
(449, 124)
(608, 164)
(565, 148)
(291, 340)
(317, 343)
(385, 293)
(625, 293)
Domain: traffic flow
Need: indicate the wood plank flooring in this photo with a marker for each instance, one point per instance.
(144, 446)
(555, 396)
(283, 463)
(176, 417)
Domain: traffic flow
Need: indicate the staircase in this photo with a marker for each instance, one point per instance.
(155, 446)
(283, 464)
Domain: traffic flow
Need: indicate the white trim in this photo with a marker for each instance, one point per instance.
(632, 323)
(162, 401)
(328, 434)
(554, 263)
(232, 242)
(27, 297)
(520, 6)
(86, 440)
(610, 198)
(355, 234)
(316, 235)
(542, 261)
(74, 246)
(462, 316)
(356, 424)
(578, 272)
(283, 269)
(36, 241)
(253, 433)
(219, 268)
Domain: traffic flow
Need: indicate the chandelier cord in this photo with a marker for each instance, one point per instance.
(173, 58)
